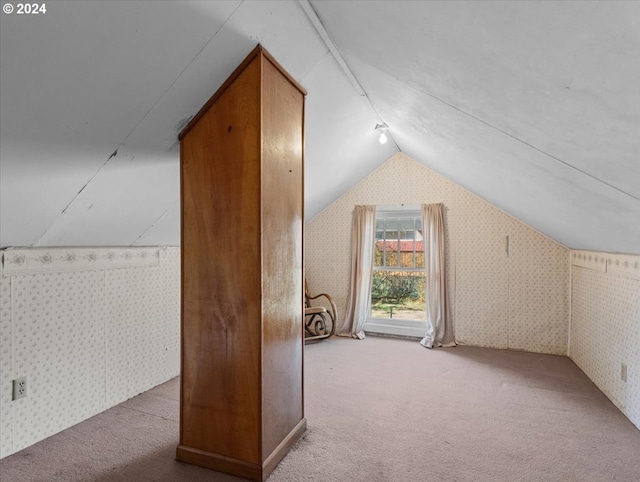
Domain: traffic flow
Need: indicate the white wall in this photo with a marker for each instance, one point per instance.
(518, 301)
(89, 328)
(605, 324)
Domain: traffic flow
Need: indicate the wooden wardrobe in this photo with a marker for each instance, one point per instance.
(241, 401)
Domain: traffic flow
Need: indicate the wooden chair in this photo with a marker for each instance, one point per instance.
(319, 320)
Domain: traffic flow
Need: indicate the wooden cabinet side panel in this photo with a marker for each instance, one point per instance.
(282, 211)
(221, 319)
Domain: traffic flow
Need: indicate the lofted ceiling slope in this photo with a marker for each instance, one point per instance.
(534, 106)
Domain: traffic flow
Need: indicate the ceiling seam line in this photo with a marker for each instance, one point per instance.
(316, 22)
(313, 17)
(139, 122)
(154, 222)
(180, 74)
(62, 213)
(551, 156)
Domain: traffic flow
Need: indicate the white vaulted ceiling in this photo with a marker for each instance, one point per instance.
(534, 106)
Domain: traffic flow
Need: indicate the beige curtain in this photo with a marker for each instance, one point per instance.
(363, 230)
(439, 323)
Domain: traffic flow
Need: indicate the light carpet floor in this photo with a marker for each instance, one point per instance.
(381, 410)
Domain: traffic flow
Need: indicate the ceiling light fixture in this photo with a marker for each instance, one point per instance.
(382, 130)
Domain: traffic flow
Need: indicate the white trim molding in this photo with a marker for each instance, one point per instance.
(17, 261)
(626, 265)
(398, 327)
(590, 260)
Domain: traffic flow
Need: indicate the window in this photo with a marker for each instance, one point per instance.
(398, 284)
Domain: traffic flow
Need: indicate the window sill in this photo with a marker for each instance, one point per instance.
(390, 326)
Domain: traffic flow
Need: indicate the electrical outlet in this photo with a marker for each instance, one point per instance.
(623, 372)
(19, 388)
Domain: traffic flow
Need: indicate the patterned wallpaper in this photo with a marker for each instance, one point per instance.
(605, 324)
(89, 328)
(518, 301)
(6, 348)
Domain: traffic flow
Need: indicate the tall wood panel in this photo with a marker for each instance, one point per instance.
(241, 404)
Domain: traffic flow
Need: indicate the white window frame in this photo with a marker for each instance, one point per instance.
(396, 326)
